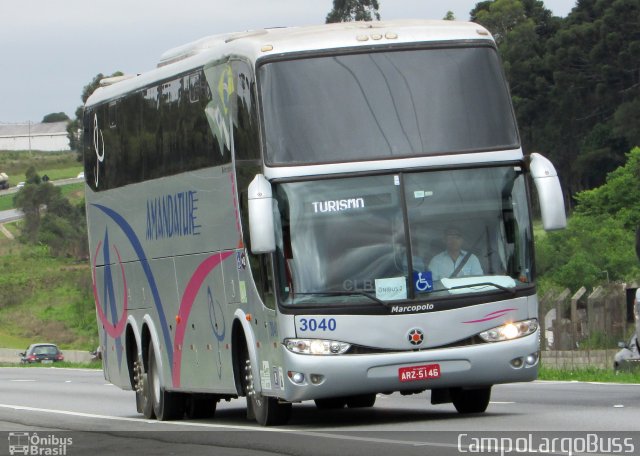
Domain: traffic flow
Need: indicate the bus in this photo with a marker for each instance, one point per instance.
(270, 216)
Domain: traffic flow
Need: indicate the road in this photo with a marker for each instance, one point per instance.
(81, 404)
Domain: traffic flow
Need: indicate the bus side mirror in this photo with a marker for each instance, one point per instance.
(261, 228)
(547, 183)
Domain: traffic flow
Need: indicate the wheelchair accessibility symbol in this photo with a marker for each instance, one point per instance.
(422, 282)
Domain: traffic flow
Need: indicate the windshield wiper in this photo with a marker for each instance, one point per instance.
(512, 291)
(345, 293)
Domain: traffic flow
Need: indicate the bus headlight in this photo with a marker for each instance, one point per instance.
(510, 331)
(316, 346)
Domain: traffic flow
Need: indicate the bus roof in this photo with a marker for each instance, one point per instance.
(257, 44)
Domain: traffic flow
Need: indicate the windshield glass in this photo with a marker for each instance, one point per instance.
(385, 104)
(408, 236)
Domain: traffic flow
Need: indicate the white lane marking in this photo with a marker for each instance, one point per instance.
(22, 380)
(618, 406)
(234, 427)
(502, 402)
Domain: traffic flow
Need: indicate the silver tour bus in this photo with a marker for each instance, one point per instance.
(321, 213)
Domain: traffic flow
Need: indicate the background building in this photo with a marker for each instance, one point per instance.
(47, 137)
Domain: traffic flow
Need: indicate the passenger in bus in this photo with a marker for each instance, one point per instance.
(454, 262)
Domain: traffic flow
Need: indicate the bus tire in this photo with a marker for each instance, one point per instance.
(267, 411)
(166, 405)
(144, 401)
(331, 403)
(361, 400)
(471, 400)
(200, 406)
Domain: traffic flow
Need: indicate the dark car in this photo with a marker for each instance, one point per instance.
(41, 353)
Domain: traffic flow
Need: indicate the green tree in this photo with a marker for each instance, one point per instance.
(626, 121)
(599, 239)
(449, 16)
(522, 29)
(55, 117)
(593, 60)
(353, 10)
(619, 197)
(50, 219)
(499, 16)
(31, 200)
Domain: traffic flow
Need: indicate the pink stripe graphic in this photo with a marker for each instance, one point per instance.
(189, 296)
(492, 316)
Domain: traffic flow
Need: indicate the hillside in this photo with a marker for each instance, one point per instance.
(43, 299)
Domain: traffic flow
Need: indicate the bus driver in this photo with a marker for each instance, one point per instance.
(454, 262)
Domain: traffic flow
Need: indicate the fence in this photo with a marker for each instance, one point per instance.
(583, 329)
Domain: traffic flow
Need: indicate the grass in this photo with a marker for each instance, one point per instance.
(44, 298)
(589, 374)
(6, 202)
(73, 192)
(56, 165)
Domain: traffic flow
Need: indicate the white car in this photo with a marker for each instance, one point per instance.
(20, 185)
(80, 175)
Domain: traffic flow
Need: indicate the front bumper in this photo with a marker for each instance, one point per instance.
(346, 375)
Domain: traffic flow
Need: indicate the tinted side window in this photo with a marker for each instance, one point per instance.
(160, 130)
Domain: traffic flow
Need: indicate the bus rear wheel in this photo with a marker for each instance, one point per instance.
(474, 400)
(166, 405)
(267, 411)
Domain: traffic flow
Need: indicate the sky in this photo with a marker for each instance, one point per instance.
(51, 49)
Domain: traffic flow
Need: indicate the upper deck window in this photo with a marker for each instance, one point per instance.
(391, 104)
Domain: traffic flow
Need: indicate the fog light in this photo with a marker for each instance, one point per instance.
(516, 362)
(316, 378)
(296, 377)
(532, 359)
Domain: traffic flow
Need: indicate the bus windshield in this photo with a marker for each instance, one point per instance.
(403, 236)
(391, 104)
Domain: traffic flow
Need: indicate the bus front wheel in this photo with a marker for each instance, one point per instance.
(267, 411)
(474, 400)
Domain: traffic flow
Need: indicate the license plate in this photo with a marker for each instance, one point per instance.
(47, 361)
(415, 373)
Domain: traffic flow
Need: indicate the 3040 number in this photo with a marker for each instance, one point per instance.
(312, 324)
